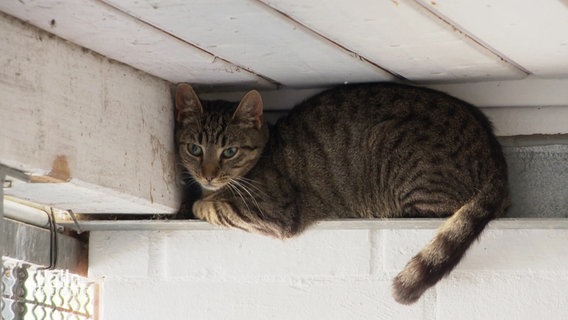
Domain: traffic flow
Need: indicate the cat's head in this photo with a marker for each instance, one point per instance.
(218, 141)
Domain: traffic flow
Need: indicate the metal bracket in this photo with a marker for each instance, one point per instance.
(75, 221)
(52, 241)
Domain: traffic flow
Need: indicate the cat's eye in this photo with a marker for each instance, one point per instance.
(229, 152)
(194, 150)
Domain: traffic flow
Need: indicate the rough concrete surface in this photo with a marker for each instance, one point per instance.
(538, 177)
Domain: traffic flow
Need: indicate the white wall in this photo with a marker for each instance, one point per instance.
(324, 274)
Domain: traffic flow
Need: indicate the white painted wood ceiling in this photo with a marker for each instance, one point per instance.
(305, 43)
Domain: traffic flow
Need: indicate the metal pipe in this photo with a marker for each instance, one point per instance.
(27, 214)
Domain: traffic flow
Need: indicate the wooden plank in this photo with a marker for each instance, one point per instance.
(402, 36)
(532, 33)
(516, 107)
(103, 29)
(251, 35)
(529, 92)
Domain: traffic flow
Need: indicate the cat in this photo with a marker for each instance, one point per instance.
(377, 150)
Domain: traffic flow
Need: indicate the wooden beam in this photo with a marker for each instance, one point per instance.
(102, 128)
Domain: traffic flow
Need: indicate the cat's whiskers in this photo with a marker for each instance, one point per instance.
(240, 185)
(186, 179)
(243, 197)
(251, 185)
(190, 182)
(236, 192)
(184, 176)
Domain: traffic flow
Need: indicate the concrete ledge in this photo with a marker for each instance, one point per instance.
(371, 224)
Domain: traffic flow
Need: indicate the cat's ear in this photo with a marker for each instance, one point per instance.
(187, 102)
(249, 111)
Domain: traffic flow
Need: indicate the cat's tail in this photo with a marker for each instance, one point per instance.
(452, 240)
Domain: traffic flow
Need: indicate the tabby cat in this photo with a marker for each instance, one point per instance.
(356, 151)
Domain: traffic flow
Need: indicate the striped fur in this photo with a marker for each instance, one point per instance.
(357, 151)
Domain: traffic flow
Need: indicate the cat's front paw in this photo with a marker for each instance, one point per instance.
(215, 212)
(222, 213)
(205, 210)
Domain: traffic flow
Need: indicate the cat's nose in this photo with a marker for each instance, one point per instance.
(209, 171)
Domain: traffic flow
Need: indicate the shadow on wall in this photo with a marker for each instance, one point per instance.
(538, 177)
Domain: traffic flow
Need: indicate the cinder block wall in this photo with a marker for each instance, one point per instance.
(324, 274)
